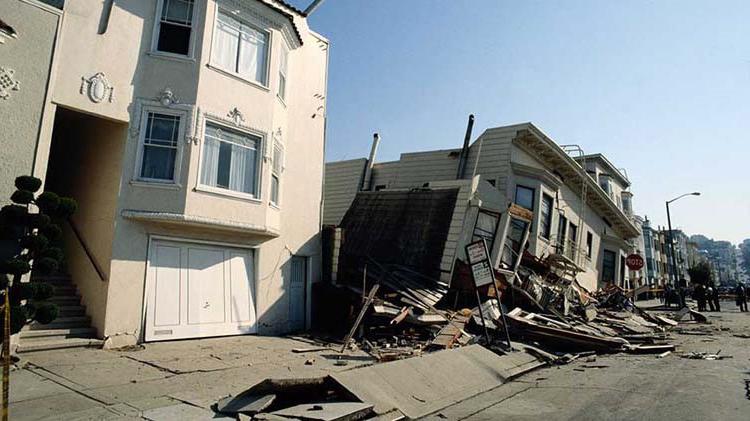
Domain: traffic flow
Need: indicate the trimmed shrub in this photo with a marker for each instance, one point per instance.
(27, 182)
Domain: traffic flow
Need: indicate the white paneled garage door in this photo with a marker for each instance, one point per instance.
(195, 290)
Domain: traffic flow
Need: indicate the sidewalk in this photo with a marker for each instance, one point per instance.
(162, 380)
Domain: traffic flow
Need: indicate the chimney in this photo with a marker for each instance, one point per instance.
(464, 156)
(367, 179)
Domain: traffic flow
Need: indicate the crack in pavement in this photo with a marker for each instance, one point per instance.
(51, 377)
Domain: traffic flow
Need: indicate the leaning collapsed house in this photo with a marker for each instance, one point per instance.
(582, 208)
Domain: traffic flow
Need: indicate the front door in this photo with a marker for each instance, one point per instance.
(197, 290)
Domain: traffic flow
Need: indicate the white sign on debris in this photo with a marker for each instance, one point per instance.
(479, 260)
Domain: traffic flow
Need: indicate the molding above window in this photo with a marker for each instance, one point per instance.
(545, 176)
(260, 13)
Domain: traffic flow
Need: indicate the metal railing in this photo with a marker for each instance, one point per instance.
(568, 248)
(87, 250)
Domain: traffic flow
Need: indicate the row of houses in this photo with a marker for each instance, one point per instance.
(192, 135)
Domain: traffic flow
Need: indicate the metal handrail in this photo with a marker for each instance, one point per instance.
(87, 250)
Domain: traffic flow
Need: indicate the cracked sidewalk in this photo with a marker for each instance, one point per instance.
(162, 380)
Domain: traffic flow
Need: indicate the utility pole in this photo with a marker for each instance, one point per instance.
(671, 246)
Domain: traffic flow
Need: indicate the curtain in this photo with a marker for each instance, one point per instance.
(226, 41)
(210, 167)
(252, 56)
(237, 180)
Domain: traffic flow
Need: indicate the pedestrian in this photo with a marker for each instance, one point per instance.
(710, 297)
(715, 298)
(667, 295)
(699, 295)
(741, 296)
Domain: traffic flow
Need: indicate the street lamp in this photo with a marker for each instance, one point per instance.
(671, 237)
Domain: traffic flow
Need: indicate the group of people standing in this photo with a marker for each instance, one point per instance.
(706, 294)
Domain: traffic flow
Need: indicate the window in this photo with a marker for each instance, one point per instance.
(545, 228)
(380, 187)
(485, 228)
(573, 240)
(604, 184)
(491, 181)
(562, 225)
(160, 137)
(608, 266)
(278, 162)
(230, 160)
(283, 65)
(175, 26)
(525, 197)
(240, 48)
(512, 248)
(589, 244)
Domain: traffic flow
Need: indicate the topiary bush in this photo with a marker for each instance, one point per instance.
(37, 235)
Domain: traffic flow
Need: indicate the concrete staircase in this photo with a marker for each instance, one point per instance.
(71, 329)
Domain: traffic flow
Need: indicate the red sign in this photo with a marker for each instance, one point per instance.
(634, 262)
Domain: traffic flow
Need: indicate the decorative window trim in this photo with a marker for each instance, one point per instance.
(233, 124)
(155, 35)
(252, 18)
(138, 121)
(261, 13)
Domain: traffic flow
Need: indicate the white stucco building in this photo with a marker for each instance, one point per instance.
(191, 133)
(581, 203)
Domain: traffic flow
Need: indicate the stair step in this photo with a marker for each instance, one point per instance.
(63, 323)
(65, 300)
(78, 332)
(31, 345)
(65, 290)
(74, 310)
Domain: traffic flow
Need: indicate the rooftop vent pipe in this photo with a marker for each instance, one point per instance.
(367, 179)
(464, 156)
(311, 8)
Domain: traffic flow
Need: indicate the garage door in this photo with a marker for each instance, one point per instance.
(195, 290)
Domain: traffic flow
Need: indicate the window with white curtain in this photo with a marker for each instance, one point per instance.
(174, 26)
(278, 162)
(240, 48)
(159, 141)
(230, 160)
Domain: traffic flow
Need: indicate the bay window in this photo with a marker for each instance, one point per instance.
(240, 48)
(174, 26)
(230, 160)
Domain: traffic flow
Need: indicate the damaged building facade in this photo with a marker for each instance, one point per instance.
(581, 204)
(191, 134)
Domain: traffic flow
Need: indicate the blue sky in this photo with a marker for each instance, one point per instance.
(661, 87)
